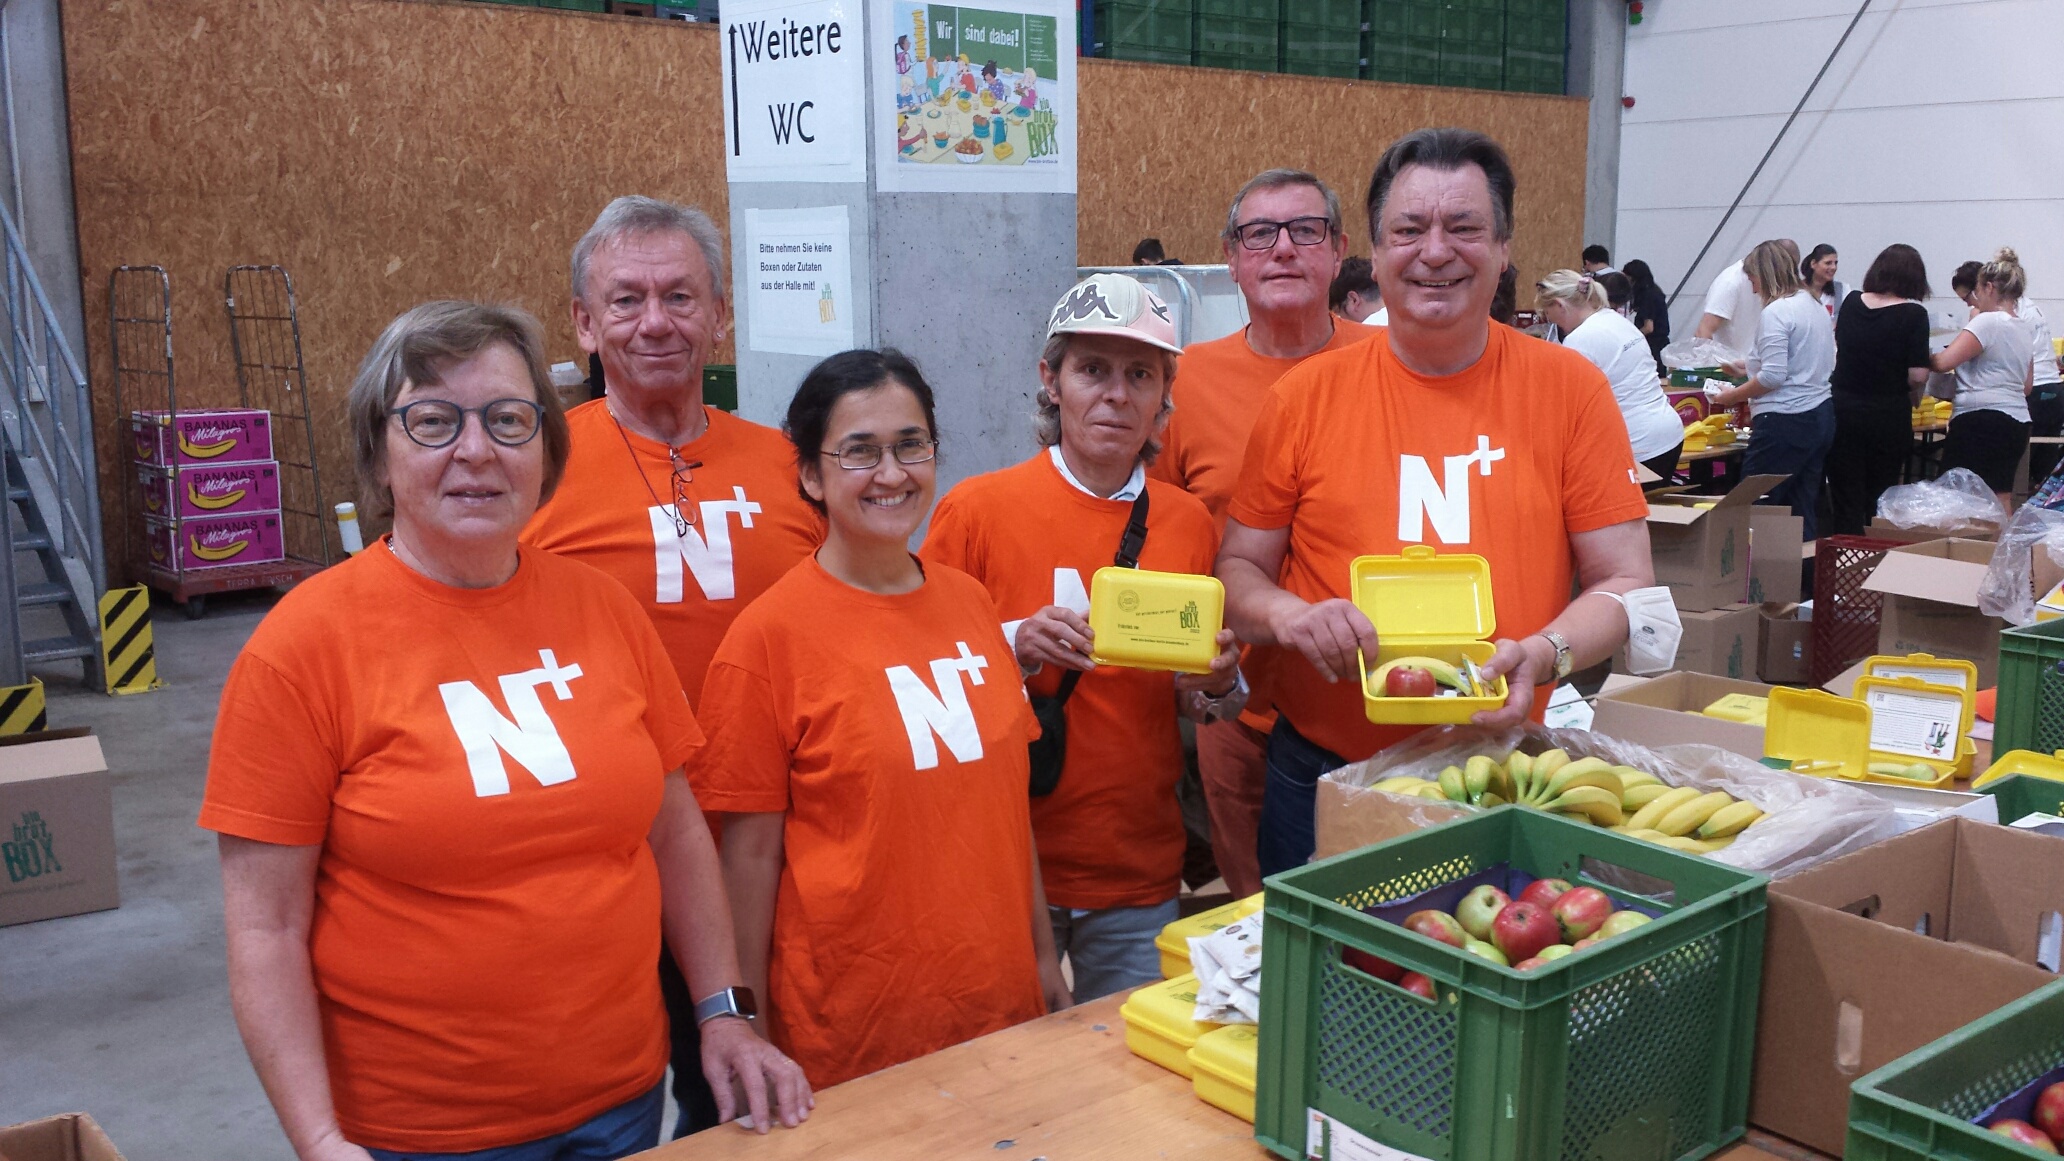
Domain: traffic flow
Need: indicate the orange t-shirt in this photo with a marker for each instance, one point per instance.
(1111, 834)
(481, 768)
(892, 730)
(614, 507)
(1218, 391)
(1357, 455)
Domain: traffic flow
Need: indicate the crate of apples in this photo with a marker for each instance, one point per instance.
(1550, 919)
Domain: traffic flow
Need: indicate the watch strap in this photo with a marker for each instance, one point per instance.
(725, 1003)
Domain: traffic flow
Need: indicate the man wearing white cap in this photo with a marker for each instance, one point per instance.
(1104, 814)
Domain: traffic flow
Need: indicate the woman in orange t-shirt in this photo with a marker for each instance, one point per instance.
(1110, 834)
(868, 748)
(442, 921)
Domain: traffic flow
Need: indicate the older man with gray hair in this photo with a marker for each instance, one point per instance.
(694, 510)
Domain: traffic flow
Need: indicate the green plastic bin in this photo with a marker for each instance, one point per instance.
(2021, 795)
(1322, 50)
(2031, 690)
(720, 386)
(1159, 31)
(1920, 1106)
(1639, 1047)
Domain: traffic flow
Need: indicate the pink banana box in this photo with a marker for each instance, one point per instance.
(215, 541)
(237, 435)
(189, 490)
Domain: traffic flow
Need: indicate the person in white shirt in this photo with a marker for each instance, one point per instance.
(1577, 305)
(1817, 272)
(1732, 306)
(1788, 390)
(2046, 401)
(1994, 360)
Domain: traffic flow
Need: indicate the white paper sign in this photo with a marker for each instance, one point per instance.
(793, 72)
(1916, 723)
(1327, 1139)
(798, 281)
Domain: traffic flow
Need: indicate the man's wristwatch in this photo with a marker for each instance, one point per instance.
(729, 1002)
(1563, 664)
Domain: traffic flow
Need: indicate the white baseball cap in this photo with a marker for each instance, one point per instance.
(1114, 304)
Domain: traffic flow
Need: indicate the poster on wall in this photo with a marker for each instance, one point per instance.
(974, 99)
(790, 69)
(798, 281)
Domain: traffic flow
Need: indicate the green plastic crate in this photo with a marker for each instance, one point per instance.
(1920, 1106)
(720, 386)
(1321, 51)
(1252, 37)
(2021, 795)
(1345, 14)
(2031, 690)
(1148, 30)
(1410, 62)
(1639, 1047)
(1531, 72)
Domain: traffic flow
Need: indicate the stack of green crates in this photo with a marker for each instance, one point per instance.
(1404, 41)
(1920, 1106)
(1322, 38)
(1472, 53)
(1536, 45)
(1158, 31)
(1239, 34)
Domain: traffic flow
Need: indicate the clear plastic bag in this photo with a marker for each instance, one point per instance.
(1699, 353)
(1806, 820)
(2008, 589)
(1960, 496)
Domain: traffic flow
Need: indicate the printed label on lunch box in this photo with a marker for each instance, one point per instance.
(1326, 1139)
(1180, 624)
(1908, 722)
(1939, 675)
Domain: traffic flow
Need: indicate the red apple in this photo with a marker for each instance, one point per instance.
(1409, 681)
(1478, 908)
(1523, 929)
(1584, 943)
(2049, 1111)
(1527, 965)
(1437, 925)
(1622, 922)
(2023, 1132)
(1581, 912)
(1382, 969)
(1544, 891)
(1417, 984)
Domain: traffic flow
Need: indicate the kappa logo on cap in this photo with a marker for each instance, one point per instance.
(1079, 305)
(1160, 311)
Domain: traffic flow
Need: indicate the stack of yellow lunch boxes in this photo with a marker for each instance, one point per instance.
(1428, 607)
(1908, 725)
(1161, 1024)
(1174, 941)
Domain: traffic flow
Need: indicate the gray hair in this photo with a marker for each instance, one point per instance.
(1046, 416)
(1277, 179)
(634, 215)
(417, 349)
(1446, 150)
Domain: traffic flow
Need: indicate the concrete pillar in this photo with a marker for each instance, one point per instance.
(1597, 63)
(959, 279)
(39, 195)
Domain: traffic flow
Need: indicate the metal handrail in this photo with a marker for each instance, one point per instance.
(50, 409)
(1183, 289)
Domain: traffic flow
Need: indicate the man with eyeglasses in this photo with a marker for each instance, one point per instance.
(695, 511)
(1283, 242)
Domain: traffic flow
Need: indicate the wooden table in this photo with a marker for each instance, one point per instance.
(1698, 465)
(1060, 1088)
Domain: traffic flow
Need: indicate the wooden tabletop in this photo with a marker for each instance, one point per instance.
(1714, 451)
(1060, 1088)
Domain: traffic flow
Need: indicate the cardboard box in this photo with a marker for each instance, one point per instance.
(215, 541)
(1776, 567)
(65, 1137)
(1785, 645)
(1665, 712)
(1703, 553)
(57, 827)
(1722, 642)
(191, 490)
(1883, 529)
(1869, 956)
(1931, 603)
(231, 436)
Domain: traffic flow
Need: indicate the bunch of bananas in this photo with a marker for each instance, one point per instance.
(1621, 798)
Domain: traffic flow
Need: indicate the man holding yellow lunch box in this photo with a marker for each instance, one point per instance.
(1037, 535)
(1482, 470)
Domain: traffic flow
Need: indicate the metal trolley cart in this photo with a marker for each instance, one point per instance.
(159, 518)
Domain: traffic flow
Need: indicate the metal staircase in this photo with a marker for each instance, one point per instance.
(51, 580)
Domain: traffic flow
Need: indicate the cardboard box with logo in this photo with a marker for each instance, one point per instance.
(57, 827)
(1702, 553)
(1777, 565)
(1931, 603)
(66, 1137)
(1785, 645)
(1723, 642)
(1871, 955)
(1665, 711)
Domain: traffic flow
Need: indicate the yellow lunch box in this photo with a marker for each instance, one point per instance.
(1174, 941)
(1222, 1068)
(1158, 1024)
(1889, 721)
(1425, 604)
(1740, 707)
(1155, 620)
(2027, 762)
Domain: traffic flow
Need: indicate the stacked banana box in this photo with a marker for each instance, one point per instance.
(208, 487)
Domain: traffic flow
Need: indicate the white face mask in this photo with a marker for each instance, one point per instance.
(1653, 630)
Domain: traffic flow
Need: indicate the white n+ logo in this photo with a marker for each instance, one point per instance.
(1421, 499)
(945, 714)
(707, 554)
(531, 739)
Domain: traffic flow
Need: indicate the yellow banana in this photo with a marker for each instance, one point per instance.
(212, 502)
(1730, 820)
(1682, 820)
(1586, 772)
(1452, 785)
(1596, 803)
(1476, 776)
(1646, 817)
(1521, 767)
(1645, 835)
(1638, 796)
(1491, 798)
(1402, 784)
(1630, 777)
(1689, 846)
(1442, 672)
(1432, 792)
(234, 547)
(204, 451)
(1548, 762)
(1501, 783)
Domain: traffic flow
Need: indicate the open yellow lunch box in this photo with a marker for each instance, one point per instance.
(1159, 1025)
(1927, 667)
(1155, 620)
(1174, 941)
(1901, 721)
(2027, 762)
(1222, 1068)
(1425, 604)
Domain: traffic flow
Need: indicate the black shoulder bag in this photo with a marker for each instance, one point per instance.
(1051, 749)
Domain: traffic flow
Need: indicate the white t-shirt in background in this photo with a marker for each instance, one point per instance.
(2045, 350)
(1795, 355)
(1994, 379)
(1732, 298)
(1620, 350)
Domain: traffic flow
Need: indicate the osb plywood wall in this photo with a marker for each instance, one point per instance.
(1164, 149)
(391, 151)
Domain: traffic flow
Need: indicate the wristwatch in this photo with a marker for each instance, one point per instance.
(1562, 652)
(729, 1002)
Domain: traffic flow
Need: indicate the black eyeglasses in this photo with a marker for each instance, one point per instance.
(1303, 232)
(435, 423)
(858, 457)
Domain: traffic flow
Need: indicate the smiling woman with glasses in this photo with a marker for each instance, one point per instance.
(399, 857)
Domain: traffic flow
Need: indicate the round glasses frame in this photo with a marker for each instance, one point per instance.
(456, 416)
(859, 457)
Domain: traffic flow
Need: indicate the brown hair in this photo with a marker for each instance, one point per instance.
(1899, 272)
(1774, 268)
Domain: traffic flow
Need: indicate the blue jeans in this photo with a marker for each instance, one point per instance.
(1111, 949)
(1295, 764)
(1795, 445)
(631, 1127)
